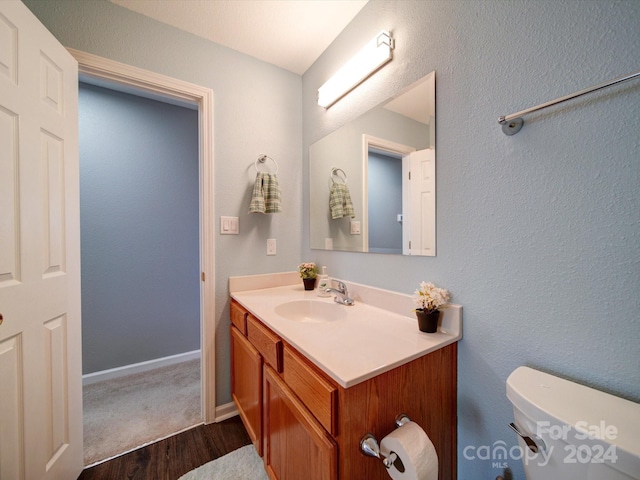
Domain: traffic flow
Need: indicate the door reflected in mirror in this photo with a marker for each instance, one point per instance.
(385, 165)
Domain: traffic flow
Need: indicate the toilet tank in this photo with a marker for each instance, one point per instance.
(583, 433)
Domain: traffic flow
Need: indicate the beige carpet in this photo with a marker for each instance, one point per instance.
(128, 412)
(241, 464)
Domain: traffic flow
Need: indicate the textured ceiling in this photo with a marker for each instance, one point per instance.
(288, 33)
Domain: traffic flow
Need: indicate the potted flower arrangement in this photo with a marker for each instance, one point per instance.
(308, 272)
(429, 299)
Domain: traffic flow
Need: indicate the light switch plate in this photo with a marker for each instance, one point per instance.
(229, 225)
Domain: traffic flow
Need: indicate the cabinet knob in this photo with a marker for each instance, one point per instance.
(1, 319)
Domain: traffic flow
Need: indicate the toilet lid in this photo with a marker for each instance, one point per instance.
(612, 419)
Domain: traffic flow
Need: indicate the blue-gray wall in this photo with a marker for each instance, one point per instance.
(538, 234)
(385, 203)
(139, 225)
(257, 109)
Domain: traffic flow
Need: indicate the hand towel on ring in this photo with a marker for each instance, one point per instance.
(265, 197)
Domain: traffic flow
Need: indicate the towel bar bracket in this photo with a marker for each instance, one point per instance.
(512, 126)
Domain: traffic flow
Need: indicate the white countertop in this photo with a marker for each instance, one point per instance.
(369, 340)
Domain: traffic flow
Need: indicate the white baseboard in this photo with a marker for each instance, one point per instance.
(95, 377)
(225, 411)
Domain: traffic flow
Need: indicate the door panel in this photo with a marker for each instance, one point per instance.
(52, 159)
(51, 81)
(9, 220)
(40, 362)
(56, 398)
(11, 408)
(8, 49)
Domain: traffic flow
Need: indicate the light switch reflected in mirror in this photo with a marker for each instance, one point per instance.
(386, 158)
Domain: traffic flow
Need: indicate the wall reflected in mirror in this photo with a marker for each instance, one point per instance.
(382, 165)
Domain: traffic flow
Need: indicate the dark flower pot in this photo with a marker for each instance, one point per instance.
(309, 283)
(428, 322)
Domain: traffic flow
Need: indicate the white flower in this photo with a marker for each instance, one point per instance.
(429, 297)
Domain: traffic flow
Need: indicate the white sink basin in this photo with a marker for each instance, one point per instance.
(311, 311)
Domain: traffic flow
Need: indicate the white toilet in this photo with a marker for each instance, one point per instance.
(579, 433)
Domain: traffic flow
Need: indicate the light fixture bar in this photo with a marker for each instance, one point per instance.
(377, 52)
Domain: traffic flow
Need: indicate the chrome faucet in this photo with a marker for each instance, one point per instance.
(342, 294)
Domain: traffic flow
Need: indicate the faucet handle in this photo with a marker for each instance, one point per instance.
(342, 287)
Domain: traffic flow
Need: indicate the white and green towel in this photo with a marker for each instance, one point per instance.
(340, 201)
(266, 194)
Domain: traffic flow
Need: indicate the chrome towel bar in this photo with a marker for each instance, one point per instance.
(511, 124)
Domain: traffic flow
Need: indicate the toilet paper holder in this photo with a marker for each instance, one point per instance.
(370, 447)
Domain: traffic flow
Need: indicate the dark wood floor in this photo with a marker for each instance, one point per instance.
(173, 457)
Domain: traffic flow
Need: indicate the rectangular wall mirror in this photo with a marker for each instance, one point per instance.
(385, 161)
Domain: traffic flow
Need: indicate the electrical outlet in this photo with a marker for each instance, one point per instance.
(271, 246)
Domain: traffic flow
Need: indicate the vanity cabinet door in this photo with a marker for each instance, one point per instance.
(246, 385)
(296, 444)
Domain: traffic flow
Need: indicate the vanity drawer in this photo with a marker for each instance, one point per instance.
(266, 342)
(317, 393)
(239, 317)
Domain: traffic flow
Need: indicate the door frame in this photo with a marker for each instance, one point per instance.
(108, 72)
(394, 148)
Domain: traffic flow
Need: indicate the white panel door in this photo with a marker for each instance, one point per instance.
(40, 345)
(419, 205)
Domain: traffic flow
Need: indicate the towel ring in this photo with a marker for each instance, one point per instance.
(335, 173)
(262, 159)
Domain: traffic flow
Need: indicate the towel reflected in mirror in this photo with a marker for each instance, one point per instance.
(340, 201)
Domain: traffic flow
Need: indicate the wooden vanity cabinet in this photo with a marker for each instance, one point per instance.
(425, 389)
(246, 385)
(297, 445)
(310, 427)
(252, 347)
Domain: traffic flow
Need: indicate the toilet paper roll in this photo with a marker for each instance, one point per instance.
(414, 448)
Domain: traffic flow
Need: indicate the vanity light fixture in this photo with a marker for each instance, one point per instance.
(377, 52)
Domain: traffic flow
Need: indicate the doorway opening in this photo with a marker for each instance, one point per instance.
(415, 185)
(140, 270)
(384, 170)
(123, 78)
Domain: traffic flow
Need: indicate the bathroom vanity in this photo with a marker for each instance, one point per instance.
(310, 377)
